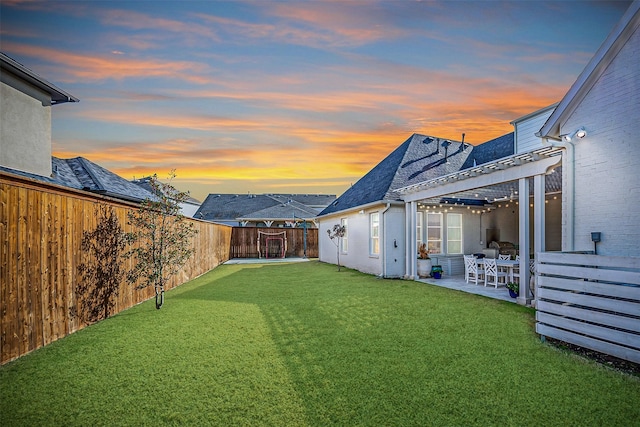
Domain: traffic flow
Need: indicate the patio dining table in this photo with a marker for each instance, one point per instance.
(509, 264)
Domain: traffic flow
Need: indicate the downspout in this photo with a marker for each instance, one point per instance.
(571, 193)
(384, 242)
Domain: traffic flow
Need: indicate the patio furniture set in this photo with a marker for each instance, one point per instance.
(492, 271)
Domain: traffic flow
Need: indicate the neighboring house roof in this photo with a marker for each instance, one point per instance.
(82, 174)
(290, 210)
(144, 183)
(226, 207)
(315, 201)
(616, 39)
(58, 96)
(418, 159)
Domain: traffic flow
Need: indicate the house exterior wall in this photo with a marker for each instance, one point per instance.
(607, 184)
(25, 134)
(357, 255)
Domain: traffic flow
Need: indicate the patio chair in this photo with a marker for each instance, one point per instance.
(516, 269)
(491, 270)
(505, 257)
(471, 269)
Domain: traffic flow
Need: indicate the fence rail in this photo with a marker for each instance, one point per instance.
(591, 301)
(244, 242)
(41, 228)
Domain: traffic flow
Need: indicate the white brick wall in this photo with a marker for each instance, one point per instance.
(608, 160)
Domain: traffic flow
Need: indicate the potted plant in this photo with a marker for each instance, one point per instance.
(436, 271)
(424, 262)
(514, 289)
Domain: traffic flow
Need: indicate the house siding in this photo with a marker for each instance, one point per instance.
(25, 134)
(525, 130)
(607, 186)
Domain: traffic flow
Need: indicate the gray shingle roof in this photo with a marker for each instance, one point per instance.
(144, 183)
(225, 207)
(282, 212)
(82, 174)
(419, 158)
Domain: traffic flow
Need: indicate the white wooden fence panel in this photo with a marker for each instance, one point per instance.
(584, 341)
(590, 301)
(621, 291)
(590, 273)
(595, 331)
(632, 263)
(615, 321)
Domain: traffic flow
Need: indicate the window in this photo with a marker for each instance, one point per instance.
(374, 233)
(454, 233)
(344, 243)
(419, 217)
(434, 233)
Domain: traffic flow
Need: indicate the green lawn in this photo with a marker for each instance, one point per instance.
(304, 344)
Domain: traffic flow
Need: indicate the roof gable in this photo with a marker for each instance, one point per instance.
(418, 159)
(607, 52)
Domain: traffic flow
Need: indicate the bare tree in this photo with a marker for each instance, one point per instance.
(162, 237)
(336, 234)
(103, 271)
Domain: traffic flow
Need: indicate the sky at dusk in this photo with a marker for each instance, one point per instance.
(292, 96)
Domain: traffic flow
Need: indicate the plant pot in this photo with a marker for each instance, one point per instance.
(424, 267)
(513, 294)
(436, 271)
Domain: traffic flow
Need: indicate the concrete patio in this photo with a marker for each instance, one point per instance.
(458, 283)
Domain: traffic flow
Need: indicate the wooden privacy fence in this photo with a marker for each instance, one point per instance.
(244, 241)
(591, 301)
(41, 228)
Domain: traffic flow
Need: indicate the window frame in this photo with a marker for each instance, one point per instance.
(344, 241)
(374, 240)
(419, 228)
(449, 228)
(440, 227)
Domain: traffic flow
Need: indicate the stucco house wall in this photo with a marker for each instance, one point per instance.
(25, 134)
(358, 254)
(607, 183)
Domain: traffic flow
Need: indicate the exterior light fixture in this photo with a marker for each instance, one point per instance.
(580, 133)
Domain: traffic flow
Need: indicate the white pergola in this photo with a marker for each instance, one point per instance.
(518, 167)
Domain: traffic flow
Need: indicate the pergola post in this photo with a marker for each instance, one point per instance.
(411, 244)
(407, 239)
(539, 227)
(523, 199)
